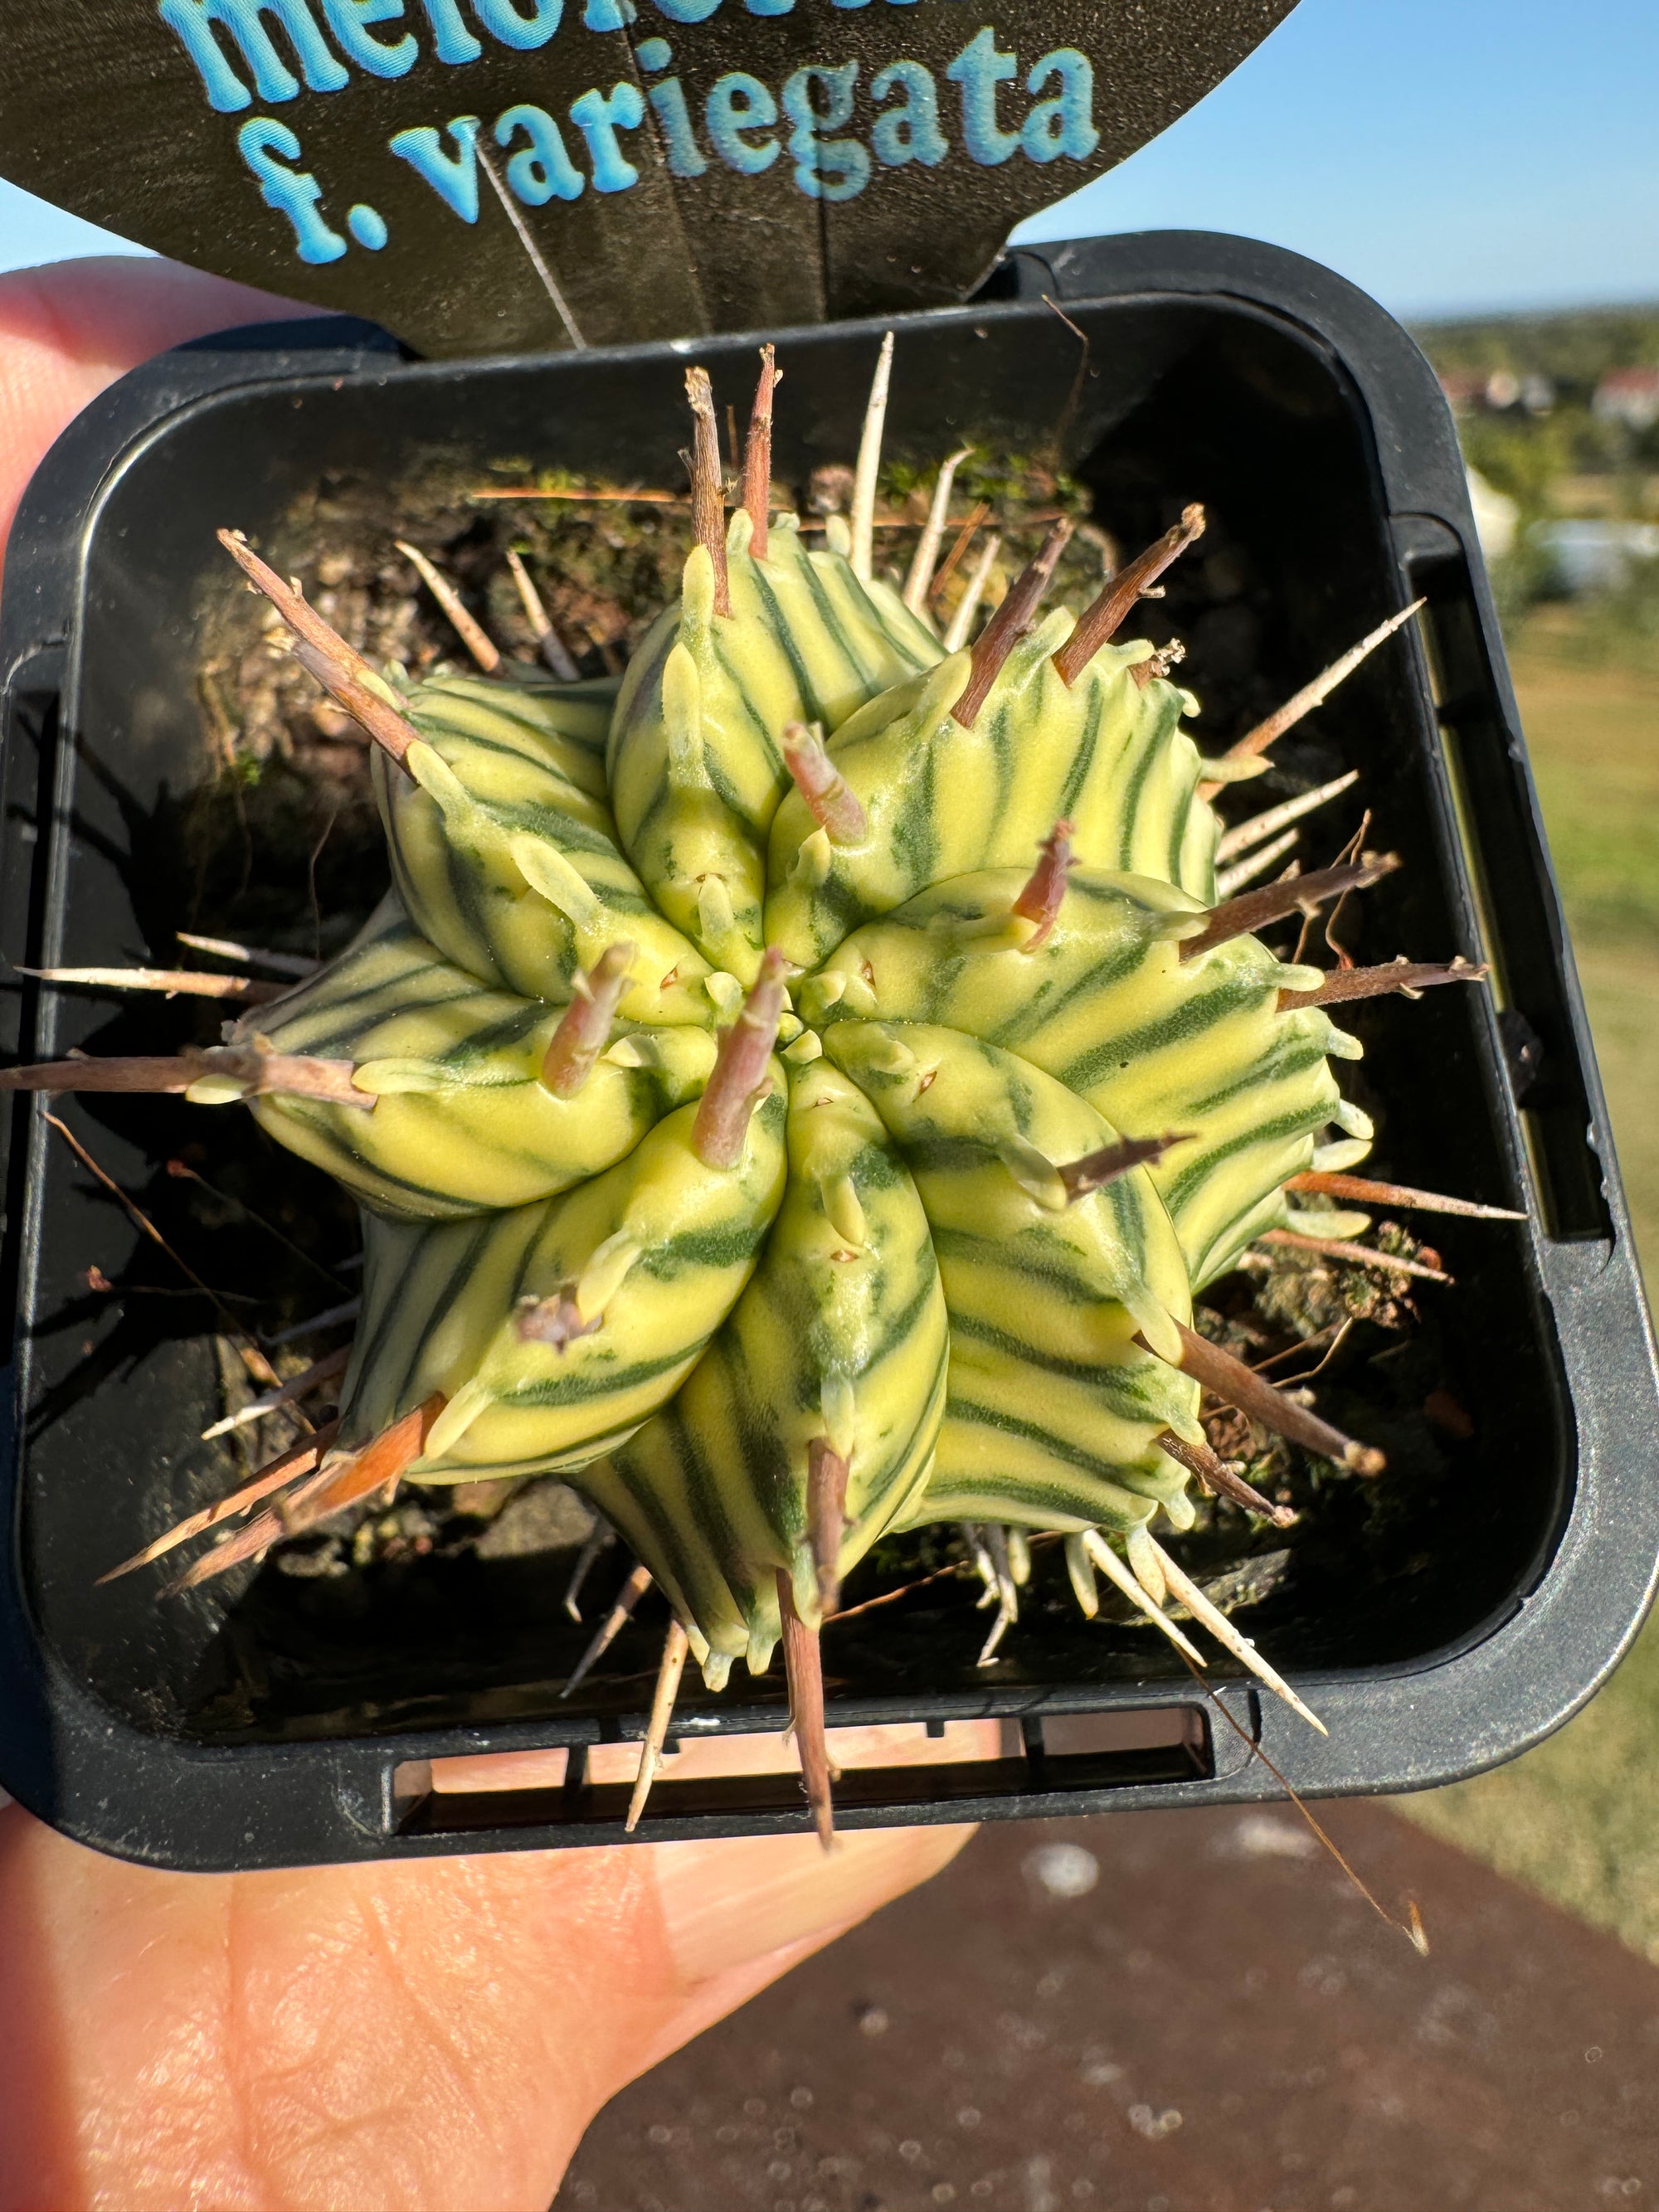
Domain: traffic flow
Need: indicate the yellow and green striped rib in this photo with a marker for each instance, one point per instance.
(885, 1266)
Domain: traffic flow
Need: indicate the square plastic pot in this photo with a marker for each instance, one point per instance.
(267, 1721)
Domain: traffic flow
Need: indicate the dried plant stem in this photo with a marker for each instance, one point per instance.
(299, 1459)
(1220, 1478)
(252, 1069)
(662, 1712)
(707, 499)
(584, 1028)
(549, 643)
(472, 633)
(183, 1172)
(1119, 596)
(862, 517)
(1243, 835)
(804, 1663)
(892, 1596)
(1344, 984)
(1363, 1192)
(252, 1357)
(137, 1072)
(605, 497)
(183, 983)
(740, 1078)
(298, 1386)
(957, 553)
(611, 1627)
(1338, 1334)
(1236, 1384)
(1254, 910)
(343, 674)
(600, 1538)
(967, 605)
(315, 1323)
(925, 559)
(251, 956)
(1362, 1255)
(514, 214)
(1009, 623)
(757, 453)
(1411, 1928)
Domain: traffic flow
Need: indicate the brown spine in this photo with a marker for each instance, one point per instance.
(1040, 899)
(344, 674)
(1009, 623)
(1363, 1192)
(1231, 1380)
(378, 1466)
(805, 1664)
(1254, 910)
(1096, 1169)
(1118, 599)
(707, 501)
(1218, 1477)
(740, 1077)
(826, 1517)
(757, 454)
(1346, 983)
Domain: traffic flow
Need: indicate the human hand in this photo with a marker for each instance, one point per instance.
(432, 2033)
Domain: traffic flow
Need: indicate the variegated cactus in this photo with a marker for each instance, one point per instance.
(797, 1097)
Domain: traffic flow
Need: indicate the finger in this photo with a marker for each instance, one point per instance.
(394, 2034)
(68, 330)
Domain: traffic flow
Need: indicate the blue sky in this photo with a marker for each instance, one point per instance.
(1446, 154)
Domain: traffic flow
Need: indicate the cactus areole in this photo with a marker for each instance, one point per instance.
(796, 1096)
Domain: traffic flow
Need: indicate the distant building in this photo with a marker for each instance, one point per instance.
(1495, 390)
(1503, 389)
(1464, 388)
(1630, 395)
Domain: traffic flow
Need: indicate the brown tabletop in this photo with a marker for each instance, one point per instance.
(1189, 2012)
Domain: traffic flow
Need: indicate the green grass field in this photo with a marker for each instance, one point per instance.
(1578, 1818)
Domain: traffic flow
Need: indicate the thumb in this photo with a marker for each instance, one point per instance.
(408, 2034)
(68, 330)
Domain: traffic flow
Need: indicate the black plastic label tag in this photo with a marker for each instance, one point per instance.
(500, 175)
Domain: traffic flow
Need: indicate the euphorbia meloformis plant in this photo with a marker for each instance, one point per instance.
(796, 1095)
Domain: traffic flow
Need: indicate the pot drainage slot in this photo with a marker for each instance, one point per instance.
(956, 1763)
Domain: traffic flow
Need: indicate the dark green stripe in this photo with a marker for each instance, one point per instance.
(580, 1387)
(1115, 1381)
(1183, 1025)
(1071, 1454)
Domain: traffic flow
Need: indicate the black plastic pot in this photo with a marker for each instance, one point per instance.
(272, 1721)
